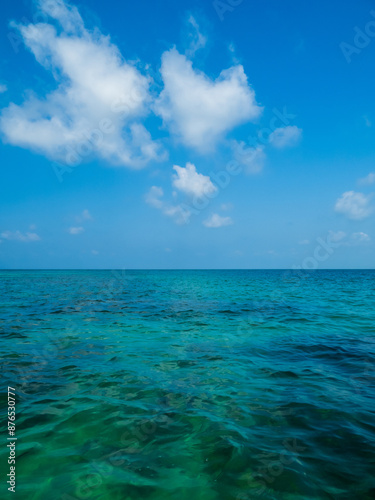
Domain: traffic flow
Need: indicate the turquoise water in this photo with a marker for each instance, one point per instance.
(190, 384)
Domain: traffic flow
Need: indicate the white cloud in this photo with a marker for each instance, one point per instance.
(251, 158)
(67, 15)
(189, 181)
(341, 238)
(354, 205)
(360, 238)
(76, 230)
(199, 110)
(97, 105)
(226, 206)
(153, 197)
(179, 213)
(336, 236)
(18, 236)
(368, 180)
(85, 215)
(3, 88)
(304, 242)
(285, 137)
(197, 40)
(215, 220)
(94, 252)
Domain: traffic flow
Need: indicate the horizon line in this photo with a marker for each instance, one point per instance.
(189, 269)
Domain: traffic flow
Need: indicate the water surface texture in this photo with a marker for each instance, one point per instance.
(204, 385)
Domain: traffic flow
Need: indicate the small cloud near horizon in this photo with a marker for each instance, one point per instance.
(19, 236)
(215, 220)
(76, 230)
(355, 206)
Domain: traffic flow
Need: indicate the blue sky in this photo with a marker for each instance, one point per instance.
(190, 134)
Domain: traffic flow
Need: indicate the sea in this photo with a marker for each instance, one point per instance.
(189, 384)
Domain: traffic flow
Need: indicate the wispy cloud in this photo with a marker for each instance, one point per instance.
(285, 137)
(179, 213)
(368, 180)
(336, 236)
(348, 240)
(196, 38)
(367, 121)
(19, 236)
(216, 220)
(3, 88)
(153, 197)
(360, 237)
(354, 205)
(251, 158)
(76, 230)
(85, 215)
(226, 206)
